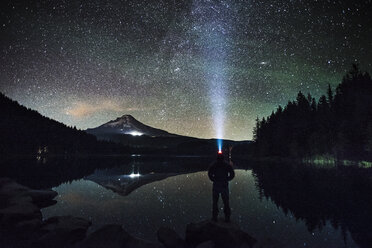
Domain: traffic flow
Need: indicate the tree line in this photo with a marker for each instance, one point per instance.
(338, 125)
(26, 132)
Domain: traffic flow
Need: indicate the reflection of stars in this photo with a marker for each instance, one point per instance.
(179, 200)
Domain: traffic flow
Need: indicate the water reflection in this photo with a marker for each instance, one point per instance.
(280, 205)
(55, 171)
(124, 184)
(31, 172)
(316, 196)
(179, 200)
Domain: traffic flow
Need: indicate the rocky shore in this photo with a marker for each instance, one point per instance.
(22, 225)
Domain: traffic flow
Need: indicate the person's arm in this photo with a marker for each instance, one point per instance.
(231, 173)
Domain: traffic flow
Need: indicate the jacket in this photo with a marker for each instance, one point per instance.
(220, 173)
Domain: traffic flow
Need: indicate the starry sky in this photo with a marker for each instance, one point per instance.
(203, 68)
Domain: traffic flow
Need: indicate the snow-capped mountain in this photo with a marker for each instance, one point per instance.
(127, 124)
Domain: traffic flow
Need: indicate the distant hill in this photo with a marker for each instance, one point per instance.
(26, 132)
(127, 124)
(144, 139)
(128, 131)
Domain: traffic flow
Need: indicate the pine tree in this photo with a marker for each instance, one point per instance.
(337, 124)
(256, 129)
(330, 95)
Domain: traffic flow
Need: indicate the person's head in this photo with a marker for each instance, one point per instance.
(220, 157)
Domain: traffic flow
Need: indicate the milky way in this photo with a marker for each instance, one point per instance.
(86, 62)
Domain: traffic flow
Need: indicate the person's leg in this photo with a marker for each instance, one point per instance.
(215, 195)
(226, 204)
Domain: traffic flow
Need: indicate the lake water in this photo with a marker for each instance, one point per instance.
(145, 194)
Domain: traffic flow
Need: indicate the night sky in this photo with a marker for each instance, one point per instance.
(202, 68)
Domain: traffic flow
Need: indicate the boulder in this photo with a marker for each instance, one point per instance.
(20, 217)
(28, 226)
(169, 238)
(21, 224)
(220, 233)
(62, 231)
(10, 189)
(18, 209)
(141, 243)
(42, 198)
(206, 244)
(114, 236)
(19, 204)
(4, 181)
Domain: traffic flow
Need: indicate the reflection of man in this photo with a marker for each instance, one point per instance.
(220, 173)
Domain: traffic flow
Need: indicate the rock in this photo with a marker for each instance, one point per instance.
(114, 236)
(269, 242)
(19, 203)
(141, 243)
(10, 189)
(21, 225)
(20, 217)
(62, 231)
(222, 234)
(29, 225)
(18, 209)
(169, 238)
(4, 180)
(206, 244)
(43, 198)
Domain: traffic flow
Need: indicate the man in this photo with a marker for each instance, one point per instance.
(220, 173)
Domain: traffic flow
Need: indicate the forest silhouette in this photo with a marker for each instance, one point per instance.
(337, 126)
(26, 132)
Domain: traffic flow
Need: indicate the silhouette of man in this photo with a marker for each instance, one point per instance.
(220, 173)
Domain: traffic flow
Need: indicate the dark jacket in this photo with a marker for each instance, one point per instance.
(220, 173)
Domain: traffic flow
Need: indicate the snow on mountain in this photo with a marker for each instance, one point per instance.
(127, 124)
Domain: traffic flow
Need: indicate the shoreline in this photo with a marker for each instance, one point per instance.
(22, 225)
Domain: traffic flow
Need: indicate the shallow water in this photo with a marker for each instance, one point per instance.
(178, 199)
(281, 205)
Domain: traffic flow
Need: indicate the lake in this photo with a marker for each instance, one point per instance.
(288, 206)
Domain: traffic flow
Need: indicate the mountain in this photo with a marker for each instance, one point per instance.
(127, 124)
(26, 132)
(142, 138)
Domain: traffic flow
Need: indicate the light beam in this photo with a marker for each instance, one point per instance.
(214, 39)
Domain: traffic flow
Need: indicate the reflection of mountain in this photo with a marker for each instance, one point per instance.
(340, 196)
(55, 171)
(126, 184)
(141, 171)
